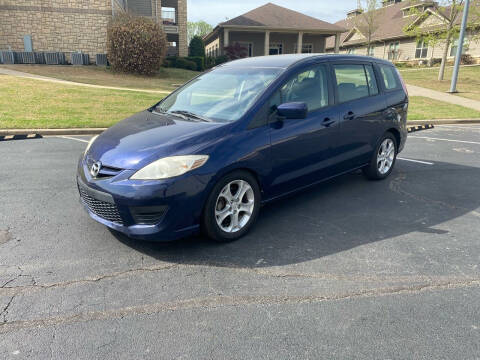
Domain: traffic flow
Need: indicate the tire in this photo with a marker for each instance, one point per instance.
(223, 209)
(383, 158)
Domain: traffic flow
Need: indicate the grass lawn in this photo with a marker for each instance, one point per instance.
(26, 103)
(422, 108)
(468, 80)
(166, 79)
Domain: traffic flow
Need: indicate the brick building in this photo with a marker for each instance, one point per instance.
(81, 25)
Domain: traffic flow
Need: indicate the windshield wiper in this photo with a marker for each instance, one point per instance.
(190, 115)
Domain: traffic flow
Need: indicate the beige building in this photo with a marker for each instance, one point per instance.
(81, 25)
(389, 40)
(271, 30)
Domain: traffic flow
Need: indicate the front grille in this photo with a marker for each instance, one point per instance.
(100, 208)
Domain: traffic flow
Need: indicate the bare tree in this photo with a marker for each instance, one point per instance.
(445, 30)
(368, 22)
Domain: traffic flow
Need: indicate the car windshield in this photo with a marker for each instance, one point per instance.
(222, 95)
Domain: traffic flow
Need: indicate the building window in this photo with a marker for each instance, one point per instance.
(351, 51)
(393, 50)
(276, 49)
(306, 48)
(422, 49)
(248, 46)
(371, 50)
(454, 48)
(168, 16)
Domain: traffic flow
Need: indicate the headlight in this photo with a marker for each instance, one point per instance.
(170, 167)
(90, 144)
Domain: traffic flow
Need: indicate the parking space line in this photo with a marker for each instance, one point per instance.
(471, 127)
(72, 138)
(450, 140)
(416, 161)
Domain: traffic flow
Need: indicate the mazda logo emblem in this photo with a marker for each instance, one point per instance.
(95, 169)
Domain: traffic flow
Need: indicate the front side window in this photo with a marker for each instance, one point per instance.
(422, 49)
(351, 82)
(310, 87)
(390, 78)
(222, 95)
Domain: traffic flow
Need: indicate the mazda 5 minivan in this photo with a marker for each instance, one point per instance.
(207, 156)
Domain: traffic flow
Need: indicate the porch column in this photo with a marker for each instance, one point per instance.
(226, 35)
(267, 43)
(300, 43)
(337, 43)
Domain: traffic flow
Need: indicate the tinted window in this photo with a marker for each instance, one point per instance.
(389, 76)
(351, 82)
(309, 86)
(372, 82)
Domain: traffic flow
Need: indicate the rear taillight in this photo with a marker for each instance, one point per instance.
(402, 81)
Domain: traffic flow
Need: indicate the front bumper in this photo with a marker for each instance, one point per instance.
(118, 203)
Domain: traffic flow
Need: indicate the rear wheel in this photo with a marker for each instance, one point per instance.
(383, 158)
(232, 207)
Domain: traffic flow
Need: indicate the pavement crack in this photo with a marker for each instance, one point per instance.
(215, 302)
(4, 312)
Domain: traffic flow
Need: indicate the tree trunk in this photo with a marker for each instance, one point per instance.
(441, 73)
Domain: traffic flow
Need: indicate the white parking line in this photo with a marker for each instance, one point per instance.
(416, 161)
(72, 138)
(466, 127)
(450, 140)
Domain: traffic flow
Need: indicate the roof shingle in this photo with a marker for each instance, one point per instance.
(278, 17)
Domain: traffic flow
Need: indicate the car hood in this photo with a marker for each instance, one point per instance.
(146, 137)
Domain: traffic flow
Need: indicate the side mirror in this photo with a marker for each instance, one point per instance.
(293, 110)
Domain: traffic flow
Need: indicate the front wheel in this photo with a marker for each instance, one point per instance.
(383, 159)
(232, 207)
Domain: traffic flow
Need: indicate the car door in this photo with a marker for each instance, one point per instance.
(301, 148)
(361, 107)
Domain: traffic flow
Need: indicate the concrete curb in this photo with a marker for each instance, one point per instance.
(443, 122)
(95, 131)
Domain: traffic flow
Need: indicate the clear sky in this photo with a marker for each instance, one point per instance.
(216, 11)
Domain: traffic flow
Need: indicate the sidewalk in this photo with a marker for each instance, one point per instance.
(442, 96)
(65, 82)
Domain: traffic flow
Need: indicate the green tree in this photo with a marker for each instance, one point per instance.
(449, 13)
(199, 28)
(197, 47)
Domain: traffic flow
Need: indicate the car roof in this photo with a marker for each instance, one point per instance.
(285, 61)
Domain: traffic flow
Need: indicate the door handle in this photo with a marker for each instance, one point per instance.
(349, 116)
(327, 122)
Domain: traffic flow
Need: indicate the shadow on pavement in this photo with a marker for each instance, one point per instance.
(336, 216)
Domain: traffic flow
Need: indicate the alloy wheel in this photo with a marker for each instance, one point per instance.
(385, 156)
(234, 206)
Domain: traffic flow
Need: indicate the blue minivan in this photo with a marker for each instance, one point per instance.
(208, 156)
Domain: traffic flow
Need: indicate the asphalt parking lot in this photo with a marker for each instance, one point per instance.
(347, 269)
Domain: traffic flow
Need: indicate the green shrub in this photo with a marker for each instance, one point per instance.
(221, 59)
(135, 44)
(196, 47)
(183, 63)
(200, 61)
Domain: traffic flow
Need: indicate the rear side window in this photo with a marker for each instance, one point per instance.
(390, 78)
(351, 82)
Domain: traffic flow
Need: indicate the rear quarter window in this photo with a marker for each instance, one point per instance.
(389, 77)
